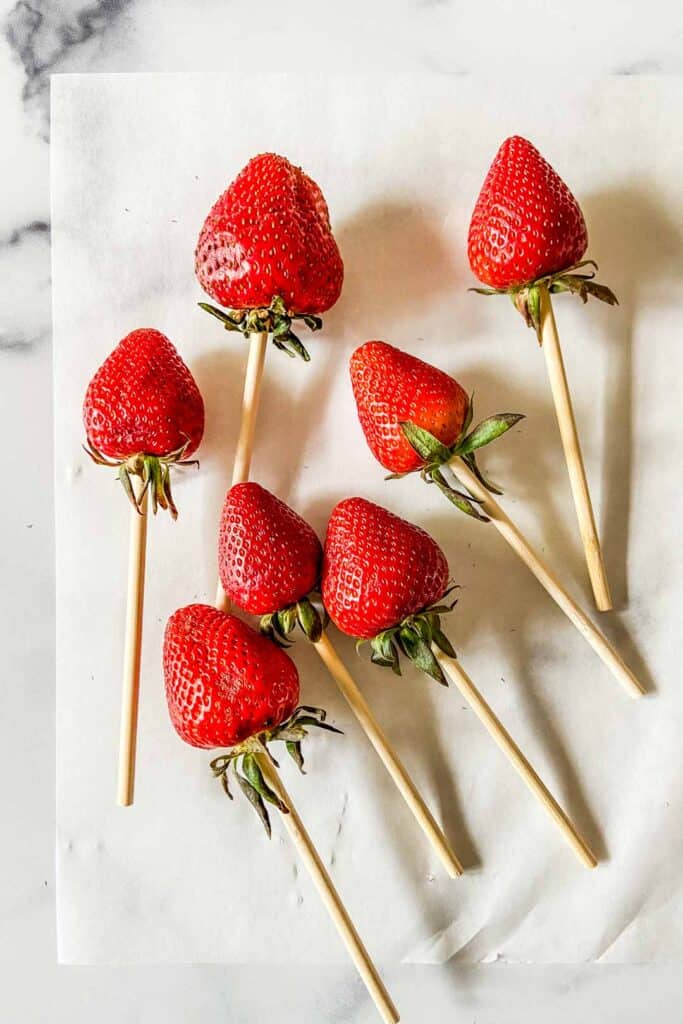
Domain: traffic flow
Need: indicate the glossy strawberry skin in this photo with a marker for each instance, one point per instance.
(143, 399)
(268, 556)
(224, 681)
(390, 387)
(269, 234)
(526, 223)
(378, 568)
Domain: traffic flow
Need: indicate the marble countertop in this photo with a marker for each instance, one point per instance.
(41, 38)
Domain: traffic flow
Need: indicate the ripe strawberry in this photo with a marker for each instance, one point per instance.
(526, 223)
(269, 559)
(224, 682)
(391, 387)
(226, 685)
(267, 250)
(527, 228)
(417, 417)
(143, 412)
(381, 578)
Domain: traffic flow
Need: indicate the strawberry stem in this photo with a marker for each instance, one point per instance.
(304, 614)
(153, 470)
(526, 298)
(435, 455)
(241, 761)
(414, 638)
(274, 319)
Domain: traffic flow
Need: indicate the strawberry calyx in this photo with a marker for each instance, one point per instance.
(526, 298)
(153, 470)
(414, 638)
(303, 613)
(242, 760)
(274, 319)
(437, 455)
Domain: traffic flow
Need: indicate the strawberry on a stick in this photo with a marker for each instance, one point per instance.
(416, 418)
(229, 686)
(143, 415)
(270, 561)
(527, 239)
(267, 254)
(386, 581)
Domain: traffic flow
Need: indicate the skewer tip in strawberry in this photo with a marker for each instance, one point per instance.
(386, 580)
(527, 232)
(267, 255)
(417, 418)
(143, 413)
(229, 686)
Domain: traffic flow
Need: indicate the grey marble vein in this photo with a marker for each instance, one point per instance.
(25, 266)
(34, 227)
(646, 66)
(42, 34)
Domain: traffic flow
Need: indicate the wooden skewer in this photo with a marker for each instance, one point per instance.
(245, 443)
(132, 651)
(455, 671)
(548, 579)
(378, 738)
(330, 896)
(572, 453)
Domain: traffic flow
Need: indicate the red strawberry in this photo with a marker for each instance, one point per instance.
(377, 568)
(391, 387)
(269, 236)
(526, 222)
(269, 558)
(417, 417)
(380, 573)
(227, 685)
(143, 411)
(224, 681)
(527, 230)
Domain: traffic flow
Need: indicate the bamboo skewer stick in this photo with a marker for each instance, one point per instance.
(548, 579)
(330, 896)
(245, 443)
(398, 773)
(572, 452)
(455, 671)
(132, 651)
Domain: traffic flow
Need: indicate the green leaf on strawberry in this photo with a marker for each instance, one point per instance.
(437, 455)
(242, 760)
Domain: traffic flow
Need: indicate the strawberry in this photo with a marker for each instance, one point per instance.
(143, 412)
(269, 559)
(267, 253)
(381, 578)
(390, 387)
(527, 229)
(226, 685)
(416, 417)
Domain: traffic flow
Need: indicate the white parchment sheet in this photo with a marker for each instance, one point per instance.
(185, 875)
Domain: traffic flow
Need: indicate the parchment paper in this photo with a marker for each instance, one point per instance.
(186, 876)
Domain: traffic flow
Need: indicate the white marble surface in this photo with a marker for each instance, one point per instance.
(41, 38)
